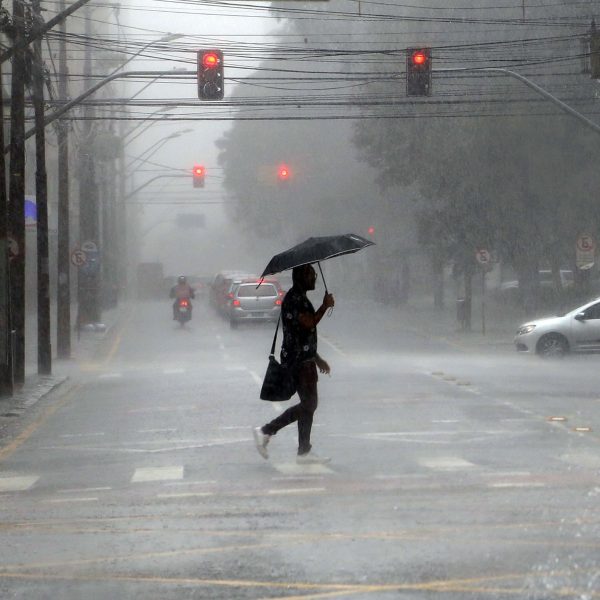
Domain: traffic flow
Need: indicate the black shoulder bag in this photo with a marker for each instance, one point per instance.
(278, 384)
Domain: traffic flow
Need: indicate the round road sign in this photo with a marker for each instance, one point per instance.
(585, 243)
(483, 256)
(78, 257)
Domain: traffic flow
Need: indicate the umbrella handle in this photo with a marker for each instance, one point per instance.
(330, 310)
(323, 278)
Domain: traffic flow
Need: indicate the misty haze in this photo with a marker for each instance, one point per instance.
(403, 196)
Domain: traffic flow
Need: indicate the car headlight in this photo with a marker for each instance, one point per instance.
(525, 329)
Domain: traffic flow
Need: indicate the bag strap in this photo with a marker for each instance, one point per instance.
(275, 337)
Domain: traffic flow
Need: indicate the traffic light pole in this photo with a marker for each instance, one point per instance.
(76, 101)
(536, 88)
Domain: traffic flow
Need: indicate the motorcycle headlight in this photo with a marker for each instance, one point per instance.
(525, 329)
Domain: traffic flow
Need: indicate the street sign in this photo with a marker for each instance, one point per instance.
(483, 256)
(78, 257)
(89, 247)
(30, 212)
(585, 251)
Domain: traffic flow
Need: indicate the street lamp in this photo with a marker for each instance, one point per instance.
(154, 148)
(89, 306)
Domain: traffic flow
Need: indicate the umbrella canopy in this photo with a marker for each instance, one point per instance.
(314, 250)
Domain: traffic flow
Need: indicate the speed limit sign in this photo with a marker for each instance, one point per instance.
(78, 257)
(483, 256)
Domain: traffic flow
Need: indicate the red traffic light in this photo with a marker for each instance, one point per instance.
(419, 58)
(371, 230)
(210, 60)
(283, 173)
(198, 173)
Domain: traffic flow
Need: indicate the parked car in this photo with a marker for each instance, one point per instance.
(576, 331)
(252, 302)
(545, 278)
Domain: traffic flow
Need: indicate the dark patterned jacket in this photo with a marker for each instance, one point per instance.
(299, 344)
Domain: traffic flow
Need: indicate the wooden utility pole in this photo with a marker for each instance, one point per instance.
(41, 193)
(63, 290)
(16, 206)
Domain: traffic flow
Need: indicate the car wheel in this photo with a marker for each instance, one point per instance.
(552, 345)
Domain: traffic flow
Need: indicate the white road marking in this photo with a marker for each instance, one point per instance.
(80, 435)
(64, 500)
(110, 375)
(80, 490)
(186, 495)
(177, 371)
(167, 429)
(144, 474)
(257, 378)
(298, 478)
(205, 482)
(333, 346)
(297, 491)
(296, 469)
(516, 484)
(18, 483)
(445, 463)
(164, 408)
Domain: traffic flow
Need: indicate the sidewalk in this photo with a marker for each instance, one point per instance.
(37, 386)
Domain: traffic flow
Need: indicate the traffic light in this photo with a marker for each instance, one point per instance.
(198, 173)
(283, 173)
(371, 231)
(210, 75)
(418, 71)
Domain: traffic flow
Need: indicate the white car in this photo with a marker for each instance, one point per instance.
(575, 331)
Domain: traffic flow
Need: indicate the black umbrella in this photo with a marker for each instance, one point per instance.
(314, 250)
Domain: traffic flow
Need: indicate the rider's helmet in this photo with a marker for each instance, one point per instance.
(181, 279)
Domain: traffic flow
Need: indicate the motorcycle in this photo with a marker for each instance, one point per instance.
(183, 311)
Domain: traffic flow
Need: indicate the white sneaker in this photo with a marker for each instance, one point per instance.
(312, 458)
(261, 440)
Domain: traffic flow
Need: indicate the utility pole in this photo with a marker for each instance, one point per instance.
(88, 279)
(63, 290)
(6, 368)
(41, 193)
(16, 207)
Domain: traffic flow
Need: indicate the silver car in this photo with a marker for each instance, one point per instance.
(251, 303)
(575, 331)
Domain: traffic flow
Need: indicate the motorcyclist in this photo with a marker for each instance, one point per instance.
(181, 291)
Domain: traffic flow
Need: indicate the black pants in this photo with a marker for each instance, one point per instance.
(306, 378)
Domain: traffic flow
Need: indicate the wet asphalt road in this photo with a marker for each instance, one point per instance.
(139, 479)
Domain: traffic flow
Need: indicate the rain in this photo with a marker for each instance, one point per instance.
(388, 210)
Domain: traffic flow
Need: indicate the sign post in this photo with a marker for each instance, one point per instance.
(585, 251)
(483, 257)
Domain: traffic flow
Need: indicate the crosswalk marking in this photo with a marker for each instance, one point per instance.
(445, 463)
(65, 500)
(295, 469)
(186, 495)
(313, 490)
(17, 483)
(144, 474)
